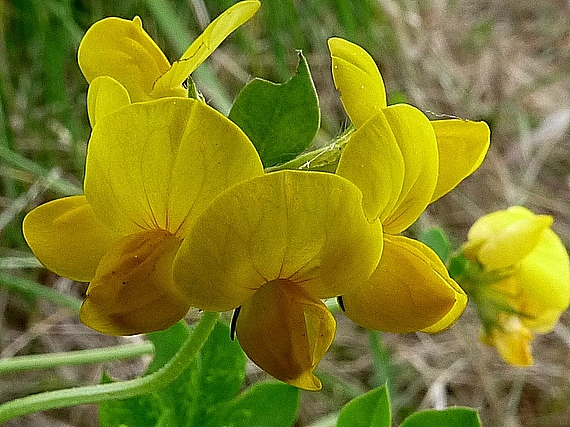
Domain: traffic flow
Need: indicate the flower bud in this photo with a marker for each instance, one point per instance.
(522, 285)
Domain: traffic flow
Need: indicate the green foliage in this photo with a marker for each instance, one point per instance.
(268, 404)
(369, 410)
(458, 266)
(437, 240)
(143, 411)
(280, 119)
(206, 394)
(166, 344)
(373, 410)
(451, 417)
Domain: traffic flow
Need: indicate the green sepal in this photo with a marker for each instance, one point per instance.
(458, 267)
(451, 417)
(281, 119)
(369, 410)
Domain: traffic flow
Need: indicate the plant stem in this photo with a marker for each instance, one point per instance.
(324, 159)
(382, 364)
(29, 287)
(54, 360)
(119, 390)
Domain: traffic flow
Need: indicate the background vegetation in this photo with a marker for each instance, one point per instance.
(505, 62)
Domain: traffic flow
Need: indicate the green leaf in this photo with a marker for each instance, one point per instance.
(369, 410)
(215, 377)
(269, 404)
(436, 239)
(222, 367)
(206, 394)
(142, 411)
(451, 417)
(147, 410)
(166, 344)
(280, 119)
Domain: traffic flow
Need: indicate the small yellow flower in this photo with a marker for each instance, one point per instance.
(524, 280)
(276, 245)
(401, 162)
(121, 51)
(152, 168)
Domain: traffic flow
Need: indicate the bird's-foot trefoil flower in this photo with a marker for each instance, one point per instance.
(518, 276)
(401, 162)
(275, 246)
(120, 50)
(151, 169)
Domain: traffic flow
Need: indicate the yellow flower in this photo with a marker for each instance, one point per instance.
(120, 50)
(524, 282)
(275, 245)
(401, 162)
(152, 168)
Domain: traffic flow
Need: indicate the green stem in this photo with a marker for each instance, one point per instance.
(119, 390)
(325, 158)
(54, 360)
(29, 287)
(382, 363)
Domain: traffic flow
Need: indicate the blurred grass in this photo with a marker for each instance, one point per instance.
(507, 63)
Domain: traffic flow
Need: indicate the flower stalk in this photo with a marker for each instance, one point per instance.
(70, 358)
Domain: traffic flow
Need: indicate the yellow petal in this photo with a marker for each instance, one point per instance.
(462, 146)
(538, 285)
(157, 164)
(544, 277)
(105, 95)
(203, 46)
(410, 291)
(511, 244)
(133, 291)
(512, 341)
(416, 138)
(358, 80)
(286, 332)
(67, 238)
(306, 227)
(452, 315)
(373, 161)
(121, 49)
(491, 224)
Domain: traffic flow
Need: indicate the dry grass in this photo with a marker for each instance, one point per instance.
(505, 62)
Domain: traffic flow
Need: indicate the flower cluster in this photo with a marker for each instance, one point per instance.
(178, 211)
(401, 162)
(520, 280)
(153, 165)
